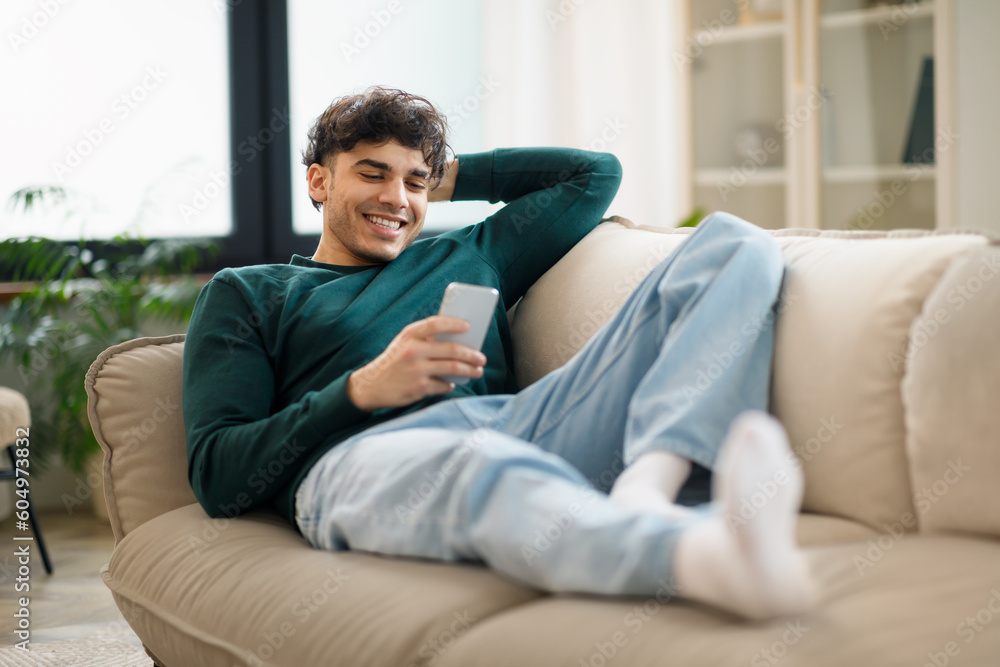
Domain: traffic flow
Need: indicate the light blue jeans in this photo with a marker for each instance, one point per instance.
(520, 481)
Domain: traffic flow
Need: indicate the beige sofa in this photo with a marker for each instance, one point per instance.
(886, 376)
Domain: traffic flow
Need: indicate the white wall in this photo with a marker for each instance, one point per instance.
(977, 60)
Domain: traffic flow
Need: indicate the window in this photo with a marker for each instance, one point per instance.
(429, 49)
(126, 106)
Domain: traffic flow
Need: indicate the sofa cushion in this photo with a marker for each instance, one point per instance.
(848, 300)
(951, 391)
(297, 605)
(134, 405)
(251, 591)
(888, 602)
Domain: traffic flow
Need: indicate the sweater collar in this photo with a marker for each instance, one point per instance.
(299, 260)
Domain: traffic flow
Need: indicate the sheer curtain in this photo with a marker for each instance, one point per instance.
(595, 74)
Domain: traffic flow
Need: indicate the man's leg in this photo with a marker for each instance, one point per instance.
(689, 350)
(660, 385)
(476, 494)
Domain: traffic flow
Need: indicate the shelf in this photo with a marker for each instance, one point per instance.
(739, 33)
(763, 176)
(879, 172)
(863, 17)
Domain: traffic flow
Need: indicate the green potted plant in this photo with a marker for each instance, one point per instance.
(82, 298)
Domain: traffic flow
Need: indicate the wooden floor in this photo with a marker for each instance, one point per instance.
(73, 602)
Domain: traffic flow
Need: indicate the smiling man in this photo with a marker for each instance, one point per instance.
(385, 186)
(314, 387)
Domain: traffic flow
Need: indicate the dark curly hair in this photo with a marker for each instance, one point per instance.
(376, 116)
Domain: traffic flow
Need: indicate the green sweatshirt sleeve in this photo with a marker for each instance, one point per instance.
(554, 197)
(239, 454)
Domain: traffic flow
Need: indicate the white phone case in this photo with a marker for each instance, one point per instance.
(475, 304)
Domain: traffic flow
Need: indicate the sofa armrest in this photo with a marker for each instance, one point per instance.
(134, 405)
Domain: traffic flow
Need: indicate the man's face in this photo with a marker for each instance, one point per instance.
(367, 189)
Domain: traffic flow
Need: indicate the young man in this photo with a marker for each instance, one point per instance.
(313, 387)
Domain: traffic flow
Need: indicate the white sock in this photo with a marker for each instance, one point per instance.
(750, 566)
(651, 483)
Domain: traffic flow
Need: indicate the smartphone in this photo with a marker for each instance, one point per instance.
(475, 304)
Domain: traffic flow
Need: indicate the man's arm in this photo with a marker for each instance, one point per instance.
(554, 197)
(239, 453)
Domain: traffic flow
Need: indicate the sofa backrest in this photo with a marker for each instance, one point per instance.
(849, 305)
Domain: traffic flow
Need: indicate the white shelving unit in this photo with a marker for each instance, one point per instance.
(802, 121)
(875, 15)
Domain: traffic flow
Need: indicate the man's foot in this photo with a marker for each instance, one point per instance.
(748, 563)
(651, 484)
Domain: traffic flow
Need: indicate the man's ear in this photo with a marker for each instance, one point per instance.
(319, 178)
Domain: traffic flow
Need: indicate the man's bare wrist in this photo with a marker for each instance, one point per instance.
(353, 392)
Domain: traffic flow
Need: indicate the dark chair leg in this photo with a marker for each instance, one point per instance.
(33, 519)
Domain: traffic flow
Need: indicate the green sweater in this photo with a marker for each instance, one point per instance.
(269, 347)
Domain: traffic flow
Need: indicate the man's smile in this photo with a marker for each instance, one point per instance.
(390, 226)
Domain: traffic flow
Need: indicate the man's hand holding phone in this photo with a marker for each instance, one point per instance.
(431, 355)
